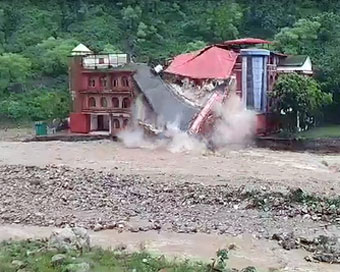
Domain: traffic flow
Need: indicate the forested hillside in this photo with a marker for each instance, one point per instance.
(36, 37)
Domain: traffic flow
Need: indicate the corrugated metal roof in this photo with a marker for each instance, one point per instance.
(247, 41)
(209, 63)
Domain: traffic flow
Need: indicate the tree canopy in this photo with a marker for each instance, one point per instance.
(37, 35)
(298, 97)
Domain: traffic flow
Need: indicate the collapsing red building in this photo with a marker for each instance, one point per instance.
(255, 70)
(109, 92)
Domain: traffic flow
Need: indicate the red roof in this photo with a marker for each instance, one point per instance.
(209, 63)
(247, 41)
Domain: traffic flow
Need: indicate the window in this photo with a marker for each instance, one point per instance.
(126, 103)
(103, 81)
(92, 102)
(114, 82)
(116, 123)
(103, 102)
(101, 61)
(125, 122)
(125, 81)
(115, 102)
(92, 82)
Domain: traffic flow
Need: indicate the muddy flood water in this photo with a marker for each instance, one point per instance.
(260, 169)
(249, 166)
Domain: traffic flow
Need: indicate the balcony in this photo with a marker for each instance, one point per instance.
(104, 61)
(107, 104)
(114, 90)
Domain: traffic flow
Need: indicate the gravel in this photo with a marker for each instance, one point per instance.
(62, 196)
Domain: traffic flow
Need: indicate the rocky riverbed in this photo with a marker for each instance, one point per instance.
(60, 196)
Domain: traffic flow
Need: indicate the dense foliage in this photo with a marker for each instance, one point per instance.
(298, 99)
(37, 35)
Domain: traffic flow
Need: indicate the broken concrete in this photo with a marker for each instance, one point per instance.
(168, 107)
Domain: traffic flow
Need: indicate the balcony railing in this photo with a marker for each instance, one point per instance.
(104, 61)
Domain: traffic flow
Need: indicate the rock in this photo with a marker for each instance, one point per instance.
(58, 259)
(120, 247)
(18, 264)
(70, 239)
(232, 246)
(81, 267)
(287, 241)
(168, 203)
(249, 269)
(98, 227)
(134, 229)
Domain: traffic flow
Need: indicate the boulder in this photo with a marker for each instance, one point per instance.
(81, 267)
(18, 264)
(58, 259)
(249, 269)
(69, 239)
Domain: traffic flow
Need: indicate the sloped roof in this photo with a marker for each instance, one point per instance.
(80, 48)
(297, 60)
(247, 41)
(209, 63)
(162, 99)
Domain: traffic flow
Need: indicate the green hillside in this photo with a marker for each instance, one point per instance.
(36, 37)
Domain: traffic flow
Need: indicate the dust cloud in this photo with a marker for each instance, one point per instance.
(234, 126)
(173, 140)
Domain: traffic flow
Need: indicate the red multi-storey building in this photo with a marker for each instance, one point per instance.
(104, 86)
(102, 91)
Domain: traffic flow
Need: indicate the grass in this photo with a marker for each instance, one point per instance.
(37, 258)
(321, 132)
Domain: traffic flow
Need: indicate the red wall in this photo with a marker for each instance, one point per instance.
(266, 123)
(79, 123)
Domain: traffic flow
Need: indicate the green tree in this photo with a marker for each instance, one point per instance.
(298, 97)
(109, 48)
(196, 45)
(14, 69)
(296, 39)
(225, 20)
(51, 56)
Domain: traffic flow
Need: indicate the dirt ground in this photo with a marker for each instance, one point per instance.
(252, 167)
(15, 134)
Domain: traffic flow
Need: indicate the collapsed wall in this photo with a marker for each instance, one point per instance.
(158, 96)
(180, 122)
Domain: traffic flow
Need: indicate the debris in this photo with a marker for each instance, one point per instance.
(324, 249)
(170, 204)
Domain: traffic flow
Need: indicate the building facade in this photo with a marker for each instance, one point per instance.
(102, 92)
(255, 69)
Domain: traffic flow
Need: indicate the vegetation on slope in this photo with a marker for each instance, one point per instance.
(35, 256)
(37, 36)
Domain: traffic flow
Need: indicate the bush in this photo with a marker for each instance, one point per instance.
(36, 105)
(298, 97)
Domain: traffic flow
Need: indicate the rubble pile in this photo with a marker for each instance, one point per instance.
(62, 196)
(323, 248)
